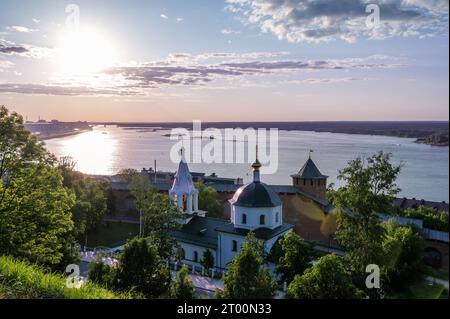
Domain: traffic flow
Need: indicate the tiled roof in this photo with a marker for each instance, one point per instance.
(200, 231)
(310, 171)
(407, 203)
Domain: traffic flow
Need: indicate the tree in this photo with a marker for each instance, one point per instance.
(100, 273)
(91, 203)
(127, 175)
(403, 246)
(183, 287)
(207, 260)
(208, 200)
(246, 276)
(160, 217)
(296, 256)
(35, 218)
(328, 279)
(433, 219)
(141, 270)
(370, 189)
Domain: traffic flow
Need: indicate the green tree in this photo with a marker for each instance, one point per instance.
(140, 269)
(91, 203)
(207, 260)
(161, 217)
(433, 219)
(208, 200)
(100, 273)
(127, 175)
(328, 279)
(247, 276)
(182, 286)
(296, 256)
(369, 189)
(35, 218)
(404, 247)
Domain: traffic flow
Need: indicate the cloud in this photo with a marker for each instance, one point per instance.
(25, 50)
(21, 29)
(229, 31)
(323, 20)
(37, 21)
(180, 19)
(183, 69)
(4, 64)
(328, 80)
(163, 16)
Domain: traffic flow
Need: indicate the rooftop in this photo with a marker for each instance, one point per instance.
(309, 171)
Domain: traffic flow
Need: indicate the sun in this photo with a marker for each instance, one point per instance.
(85, 51)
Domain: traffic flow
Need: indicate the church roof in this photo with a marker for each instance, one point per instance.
(261, 233)
(200, 231)
(182, 183)
(310, 171)
(255, 194)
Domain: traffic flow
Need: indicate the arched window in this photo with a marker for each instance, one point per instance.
(312, 183)
(234, 245)
(195, 256)
(184, 202)
(244, 219)
(277, 217)
(262, 220)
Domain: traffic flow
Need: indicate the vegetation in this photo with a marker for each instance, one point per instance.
(91, 203)
(404, 246)
(35, 218)
(208, 200)
(246, 276)
(370, 189)
(296, 256)
(20, 280)
(207, 260)
(328, 279)
(140, 270)
(433, 219)
(159, 214)
(183, 287)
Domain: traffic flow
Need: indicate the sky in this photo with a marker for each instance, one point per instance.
(225, 60)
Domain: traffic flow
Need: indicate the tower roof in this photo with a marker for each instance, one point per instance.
(183, 184)
(310, 171)
(255, 194)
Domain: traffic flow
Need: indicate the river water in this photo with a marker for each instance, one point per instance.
(106, 150)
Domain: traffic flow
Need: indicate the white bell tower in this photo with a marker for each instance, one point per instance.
(183, 191)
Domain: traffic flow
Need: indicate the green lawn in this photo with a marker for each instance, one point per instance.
(112, 234)
(420, 289)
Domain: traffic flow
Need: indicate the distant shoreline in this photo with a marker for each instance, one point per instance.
(435, 133)
(60, 135)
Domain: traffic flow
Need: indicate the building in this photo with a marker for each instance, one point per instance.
(304, 205)
(255, 207)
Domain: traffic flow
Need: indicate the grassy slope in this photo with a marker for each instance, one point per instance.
(19, 280)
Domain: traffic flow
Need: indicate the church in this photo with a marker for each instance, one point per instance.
(255, 207)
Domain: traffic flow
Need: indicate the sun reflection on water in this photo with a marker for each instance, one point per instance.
(94, 151)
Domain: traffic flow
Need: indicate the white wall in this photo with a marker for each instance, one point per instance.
(253, 215)
(189, 254)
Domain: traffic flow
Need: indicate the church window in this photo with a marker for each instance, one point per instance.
(244, 219)
(262, 220)
(277, 217)
(195, 256)
(234, 245)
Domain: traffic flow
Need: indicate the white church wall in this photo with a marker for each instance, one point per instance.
(189, 250)
(253, 217)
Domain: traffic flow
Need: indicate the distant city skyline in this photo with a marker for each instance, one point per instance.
(228, 60)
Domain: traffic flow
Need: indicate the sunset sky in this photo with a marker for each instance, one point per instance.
(225, 60)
